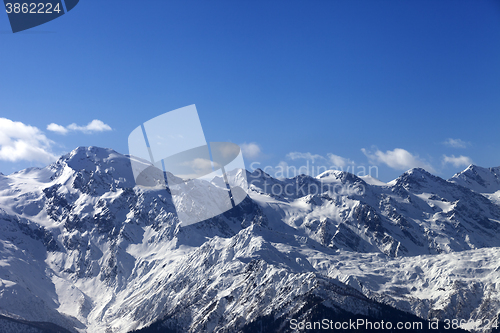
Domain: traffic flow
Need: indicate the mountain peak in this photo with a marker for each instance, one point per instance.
(420, 172)
(415, 178)
(415, 174)
(90, 154)
(257, 174)
(95, 170)
(479, 179)
(329, 174)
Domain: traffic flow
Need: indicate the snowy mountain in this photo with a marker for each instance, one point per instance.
(481, 180)
(85, 249)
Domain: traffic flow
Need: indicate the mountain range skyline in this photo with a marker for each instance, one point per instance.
(85, 249)
(390, 84)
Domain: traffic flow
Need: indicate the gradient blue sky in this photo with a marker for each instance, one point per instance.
(295, 79)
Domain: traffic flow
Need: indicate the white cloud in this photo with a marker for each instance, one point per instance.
(456, 143)
(195, 168)
(21, 142)
(57, 128)
(398, 159)
(228, 150)
(335, 161)
(339, 161)
(250, 150)
(201, 166)
(306, 156)
(94, 126)
(457, 161)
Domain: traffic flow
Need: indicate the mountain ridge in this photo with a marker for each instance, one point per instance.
(114, 256)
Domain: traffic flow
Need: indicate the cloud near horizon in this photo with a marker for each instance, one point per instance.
(456, 143)
(305, 156)
(95, 125)
(457, 161)
(21, 142)
(250, 150)
(339, 161)
(398, 159)
(334, 160)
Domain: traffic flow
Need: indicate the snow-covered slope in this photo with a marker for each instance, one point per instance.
(84, 248)
(417, 213)
(480, 180)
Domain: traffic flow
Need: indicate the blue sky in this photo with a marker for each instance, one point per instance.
(395, 84)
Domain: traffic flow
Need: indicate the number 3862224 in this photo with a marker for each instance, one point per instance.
(32, 8)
